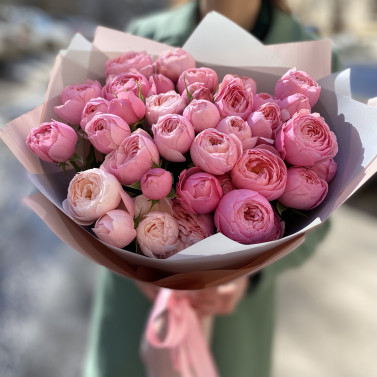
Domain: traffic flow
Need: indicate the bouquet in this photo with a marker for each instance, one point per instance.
(191, 173)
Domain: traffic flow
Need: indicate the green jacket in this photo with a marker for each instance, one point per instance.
(242, 341)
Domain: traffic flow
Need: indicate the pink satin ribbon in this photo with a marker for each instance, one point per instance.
(184, 338)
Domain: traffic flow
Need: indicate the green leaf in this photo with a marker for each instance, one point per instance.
(281, 208)
(137, 221)
(136, 186)
(189, 96)
(172, 194)
(155, 165)
(297, 212)
(139, 89)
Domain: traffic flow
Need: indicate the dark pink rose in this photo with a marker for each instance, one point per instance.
(295, 81)
(156, 183)
(248, 83)
(198, 192)
(160, 84)
(226, 183)
(306, 139)
(204, 75)
(292, 104)
(91, 108)
(326, 169)
(197, 90)
(246, 217)
(262, 171)
(304, 189)
(202, 114)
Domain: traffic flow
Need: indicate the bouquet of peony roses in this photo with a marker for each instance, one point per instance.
(204, 168)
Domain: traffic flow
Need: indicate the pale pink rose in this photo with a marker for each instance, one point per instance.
(306, 139)
(91, 108)
(204, 75)
(198, 191)
(116, 228)
(262, 171)
(107, 131)
(248, 83)
(294, 81)
(326, 169)
(173, 135)
(144, 205)
(172, 63)
(73, 99)
(237, 126)
(260, 99)
(215, 152)
(128, 106)
(202, 114)
(196, 90)
(292, 104)
(266, 121)
(133, 158)
(304, 189)
(226, 182)
(246, 217)
(158, 235)
(52, 141)
(92, 193)
(160, 84)
(233, 99)
(132, 81)
(192, 227)
(162, 104)
(156, 183)
(138, 60)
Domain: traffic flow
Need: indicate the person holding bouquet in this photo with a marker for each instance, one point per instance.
(243, 328)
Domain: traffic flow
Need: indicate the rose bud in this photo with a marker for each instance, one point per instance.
(215, 152)
(133, 158)
(91, 108)
(140, 61)
(192, 227)
(306, 139)
(248, 83)
(262, 171)
(160, 84)
(173, 135)
(197, 90)
(172, 63)
(53, 141)
(92, 193)
(260, 99)
(326, 169)
(199, 192)
(246, 217)
(158, 235)
(226, 183)
(107, 131)
(116, 228)
(202, 114)
(132, 81)
(144, 205)
(292, 104)
(304, 189)
(128, 106)
(156, 183)
(204, 75)
(162, 104)
(73, 99)
(237, 126)
(294, 81)
(233, 99)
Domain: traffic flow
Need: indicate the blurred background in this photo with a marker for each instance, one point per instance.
(327, 310)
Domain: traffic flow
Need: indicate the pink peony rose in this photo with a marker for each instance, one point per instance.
(107, 131)
(226, 183)
(215, 152)
(158, 235)
(52, 141)
(156, 183)
(91, 108)
(160, 84)
(204, 75)
(306, 139)
(246, 217)
(202, 114)
(140, 61)
(248, 83)
(162, 104)
(92, 193)
(73, 99)
(326, 169)
(116, 228)
(260, 99)
(132, 81)
(196, 90)
(172, 63)
(198, 192)
(292, 104)
(294, 81)
(304, 189)
(144, 205)
(173, 135)
(128, 106)
(133, 158)
(192, 227)
(262, 171)
(233, 99)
